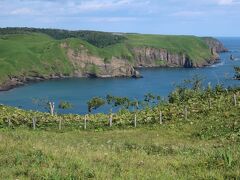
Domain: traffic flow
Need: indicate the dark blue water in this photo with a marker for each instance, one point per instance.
(159, 81)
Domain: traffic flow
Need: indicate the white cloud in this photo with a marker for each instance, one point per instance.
(225, 2)
(206, 2)
(73, 7)
(22, 11)
(228, 2)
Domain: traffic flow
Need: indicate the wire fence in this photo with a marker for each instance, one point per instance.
(160, 114)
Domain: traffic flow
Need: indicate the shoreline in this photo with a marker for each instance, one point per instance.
(18, 82)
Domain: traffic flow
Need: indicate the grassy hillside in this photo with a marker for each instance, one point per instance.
(203, 146)
(31, 54)
(99, 39)
(38, 52)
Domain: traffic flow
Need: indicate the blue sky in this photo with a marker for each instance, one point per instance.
(196, 17)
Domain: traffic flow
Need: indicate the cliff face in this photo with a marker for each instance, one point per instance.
(215, 45)
(152, 57)
(87, 65)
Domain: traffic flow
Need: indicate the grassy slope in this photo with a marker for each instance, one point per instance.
(30, 54)
(206, 146)
(36, 53)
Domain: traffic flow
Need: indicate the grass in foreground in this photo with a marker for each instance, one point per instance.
(204, 146)
(144, 153)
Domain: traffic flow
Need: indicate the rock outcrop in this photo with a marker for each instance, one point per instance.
(13, 82)
(152, 57)
(215, 45)
(87, 65)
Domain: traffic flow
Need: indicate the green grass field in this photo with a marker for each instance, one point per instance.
(143, 153)
(31, 54)
(37, 54)
(206, 145)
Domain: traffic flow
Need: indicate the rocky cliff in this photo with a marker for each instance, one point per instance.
(215, 45)
(153, 57)
(87, 65)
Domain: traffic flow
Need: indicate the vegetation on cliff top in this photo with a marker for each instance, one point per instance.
(38, 52)
(99, 39)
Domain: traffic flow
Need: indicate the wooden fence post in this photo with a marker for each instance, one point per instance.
(135, 120)
(226, 90)
(52, 107)
(9, 122)
(34, 123)
(209, 103)
(110, 120)
(161, 121)
(235, 99)
(85, 122)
